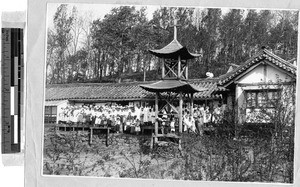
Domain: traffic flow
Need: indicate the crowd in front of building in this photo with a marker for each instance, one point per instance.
(131, 119)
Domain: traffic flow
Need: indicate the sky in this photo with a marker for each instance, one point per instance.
(98, 9)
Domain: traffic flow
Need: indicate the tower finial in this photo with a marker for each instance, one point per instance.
(175, 28)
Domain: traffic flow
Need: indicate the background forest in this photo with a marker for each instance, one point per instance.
(83, 49)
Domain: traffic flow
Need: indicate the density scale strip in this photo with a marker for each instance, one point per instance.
(12, 68)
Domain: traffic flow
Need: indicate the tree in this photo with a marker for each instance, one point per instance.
(208, 41)
(51, 63)
(231, 35)
(117, 45)
(58, 41)
(250, 32)
(284, 35)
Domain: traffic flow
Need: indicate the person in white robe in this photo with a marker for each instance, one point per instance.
(146, 115)
(192, 125)
(172, 125)
(207, 116)
(185, 122)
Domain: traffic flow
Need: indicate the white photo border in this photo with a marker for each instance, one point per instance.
(35, 88)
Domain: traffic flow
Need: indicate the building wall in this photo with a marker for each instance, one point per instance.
(60, 108)
(264, 73)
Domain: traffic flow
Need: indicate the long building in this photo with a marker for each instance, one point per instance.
(239, 88)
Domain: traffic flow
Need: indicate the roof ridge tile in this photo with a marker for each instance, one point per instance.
(263, 54)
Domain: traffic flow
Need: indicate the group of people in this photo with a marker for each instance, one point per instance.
(131, 118)
(201, 115)
(120, 118)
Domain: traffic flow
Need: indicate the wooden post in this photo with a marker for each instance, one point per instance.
(180, 113)
(265, 73)
(186, 70)
(107, 136)
(91, 135)
(156, 117)
(179, 144)
(236, 112)
(163, 69)
(179, 67)
(192, 104)
(151, 142)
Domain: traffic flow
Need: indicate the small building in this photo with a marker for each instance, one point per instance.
(53, 109)
(255, 84)
(241, 89)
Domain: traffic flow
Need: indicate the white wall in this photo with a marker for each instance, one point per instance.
(60, 107)
(257, 75)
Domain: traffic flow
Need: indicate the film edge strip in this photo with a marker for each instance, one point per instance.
(12, 73)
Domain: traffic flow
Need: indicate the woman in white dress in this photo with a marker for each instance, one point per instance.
(172, 125)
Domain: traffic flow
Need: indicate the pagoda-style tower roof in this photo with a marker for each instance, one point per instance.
(173, 50)
(174, 68)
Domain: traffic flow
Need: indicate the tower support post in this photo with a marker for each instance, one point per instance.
(192, 104)
(180, 113)
(179, 68)
(156, 118)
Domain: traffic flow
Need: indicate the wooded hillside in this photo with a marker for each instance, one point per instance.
(83, 49)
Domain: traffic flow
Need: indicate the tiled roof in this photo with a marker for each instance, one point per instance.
(173, 50)
(173, 85)
(210, 85)
(95, 91)
(116, 91)
(263, 55)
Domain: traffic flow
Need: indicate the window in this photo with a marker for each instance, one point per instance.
(260, 104)
(50, 114)
(261, 98)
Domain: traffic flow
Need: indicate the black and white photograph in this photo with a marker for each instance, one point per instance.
(170, 92)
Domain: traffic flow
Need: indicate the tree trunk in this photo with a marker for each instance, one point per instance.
(138, 64)
(144, 79)
(95, 66)
(99, 63)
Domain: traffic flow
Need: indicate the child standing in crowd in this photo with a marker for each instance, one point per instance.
(201, 120)
(185, 121)
(152, 114)
(145, 115)
(129, 121)
(137, 127)
(207, 115)
(98, 117)
(132, 125)
(192, 123)
(118, 124)
(217, 114)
